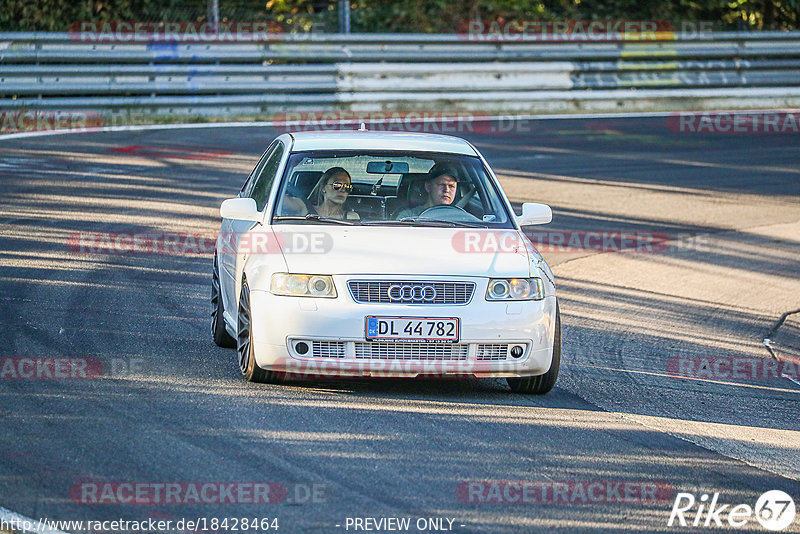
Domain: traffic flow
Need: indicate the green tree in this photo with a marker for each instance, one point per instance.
(407, 16)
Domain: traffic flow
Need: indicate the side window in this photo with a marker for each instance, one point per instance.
(263, 182)
(247, 188)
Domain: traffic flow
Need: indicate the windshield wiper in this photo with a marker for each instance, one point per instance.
(416, 221)
(423, 221)
(387, 222)
(314, 218)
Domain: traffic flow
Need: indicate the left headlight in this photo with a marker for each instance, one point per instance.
(302, 285)
(515, 289)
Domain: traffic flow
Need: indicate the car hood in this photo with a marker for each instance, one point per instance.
(367, 250)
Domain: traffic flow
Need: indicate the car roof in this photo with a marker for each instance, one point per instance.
(365, 140)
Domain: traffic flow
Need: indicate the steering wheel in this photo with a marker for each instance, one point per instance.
(448, 212)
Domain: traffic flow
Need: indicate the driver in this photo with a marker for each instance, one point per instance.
(440, 187)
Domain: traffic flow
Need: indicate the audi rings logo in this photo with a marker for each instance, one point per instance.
(411, 293)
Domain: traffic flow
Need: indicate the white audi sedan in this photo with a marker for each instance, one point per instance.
(382, 254)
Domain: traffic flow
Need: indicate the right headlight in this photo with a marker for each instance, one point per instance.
(302, 285)
(515, 289)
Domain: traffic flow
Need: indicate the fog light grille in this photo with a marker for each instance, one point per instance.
(411, 351)
(492, 351)
(327, 349)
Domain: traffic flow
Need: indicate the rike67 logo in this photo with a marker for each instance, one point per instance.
(774, 510)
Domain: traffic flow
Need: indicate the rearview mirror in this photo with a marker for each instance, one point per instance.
(387, 167)
(533, 213)
(241, 209)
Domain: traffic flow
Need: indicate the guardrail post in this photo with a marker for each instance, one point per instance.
(213, 14)
(344, 16)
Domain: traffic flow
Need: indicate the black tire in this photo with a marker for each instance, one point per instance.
(221, 336)
(541, 384)
(244, 343)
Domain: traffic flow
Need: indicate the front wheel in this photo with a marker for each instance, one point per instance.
(541, 384)
(244, 342)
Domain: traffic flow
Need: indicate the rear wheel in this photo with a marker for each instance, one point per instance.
(244, 342)
(539, 385)
(218, 331)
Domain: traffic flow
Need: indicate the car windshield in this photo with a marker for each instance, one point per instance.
(388, 189)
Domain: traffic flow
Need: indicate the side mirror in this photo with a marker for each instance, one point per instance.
(533, 213)
(241, 209)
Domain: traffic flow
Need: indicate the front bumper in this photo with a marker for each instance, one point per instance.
(333, 331)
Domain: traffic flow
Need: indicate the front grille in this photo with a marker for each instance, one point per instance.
(327, 349)
(374, 291)
(411, 351)
(492, 351)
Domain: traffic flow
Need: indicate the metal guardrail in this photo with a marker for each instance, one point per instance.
(409, 71)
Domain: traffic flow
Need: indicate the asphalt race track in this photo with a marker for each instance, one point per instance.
(164, 405)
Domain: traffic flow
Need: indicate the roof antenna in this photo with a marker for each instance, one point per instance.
(363, 127)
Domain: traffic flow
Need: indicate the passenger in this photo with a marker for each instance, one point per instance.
(440, 188)
(293, 204)
(332, 191)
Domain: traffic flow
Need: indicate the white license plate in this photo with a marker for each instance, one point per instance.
(420, 329)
